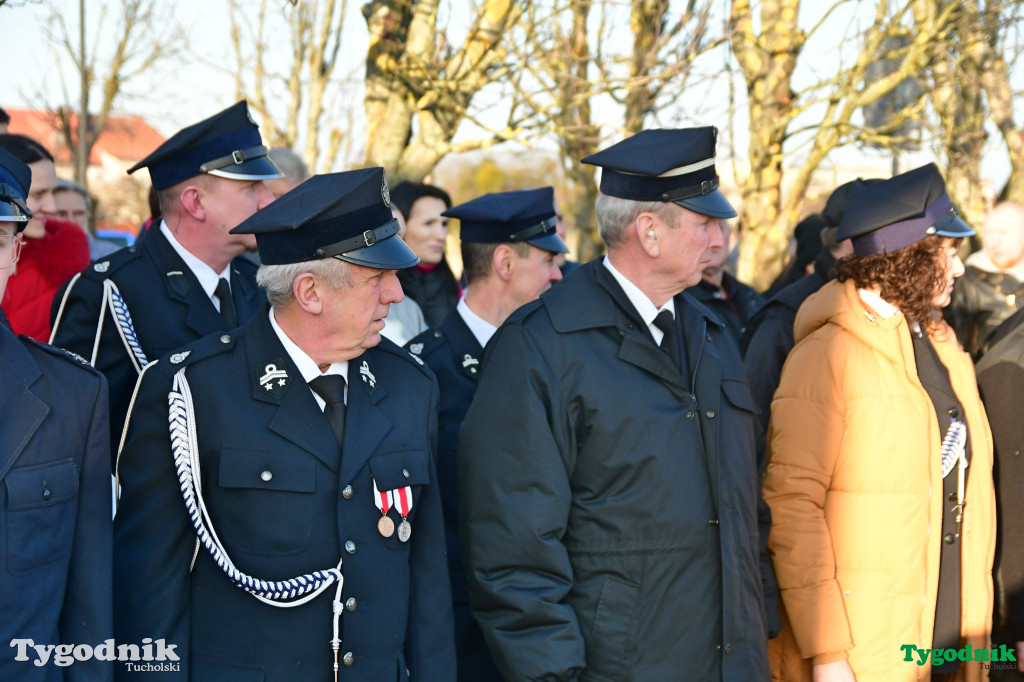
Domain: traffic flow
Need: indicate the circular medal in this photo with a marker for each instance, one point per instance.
(386, 526)
(404, 531)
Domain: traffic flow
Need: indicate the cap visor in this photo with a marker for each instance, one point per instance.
(11, 213)
(713, 204)
(549, 242)
(260, 168)
(390, 254)
(956, 228)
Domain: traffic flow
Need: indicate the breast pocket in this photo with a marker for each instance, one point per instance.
(41, 506)
(397, 471)
(266, 501)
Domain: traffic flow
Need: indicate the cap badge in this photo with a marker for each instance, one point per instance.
(273, 379)
(179, 358)
(385, 194)
(367, 375)
(102, 266)
(415, 348)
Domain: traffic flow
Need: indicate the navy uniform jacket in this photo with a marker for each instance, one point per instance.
(55, 584)
(285, 501)
(453, 353)
(168, 308)
(609, 506)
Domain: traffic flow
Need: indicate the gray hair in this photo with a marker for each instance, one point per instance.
(614, 215)
(278, 280)
(69, 186)
(289, 163)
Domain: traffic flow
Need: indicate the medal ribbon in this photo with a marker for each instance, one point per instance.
(403, 500)
(382, 500)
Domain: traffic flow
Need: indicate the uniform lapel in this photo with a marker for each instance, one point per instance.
(248, 298)
(366, 423)
(21, 411)
(466, 350)
(277, 381)
(638, 347)
(182, 286)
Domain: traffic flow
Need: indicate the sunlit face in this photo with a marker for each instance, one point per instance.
(227, 203)
(951, 267)
(355, 314)
(687, 246)
(70, 205)
(426, 229)
(532, 274)
(40, 197)
(1003, 237)
(718, 253)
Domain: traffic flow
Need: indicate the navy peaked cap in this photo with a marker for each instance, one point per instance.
(15, 180)
(227, 145)
(337, 215)
(526, 215)
(665, 165)
(840, 199)
(901, 211)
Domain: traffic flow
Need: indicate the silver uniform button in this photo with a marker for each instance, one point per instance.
(348, 659)
(405, 472)
(266, 475)
(710, 414)
(350, 547)
(225, 339)
(346, 492)
(351, 604)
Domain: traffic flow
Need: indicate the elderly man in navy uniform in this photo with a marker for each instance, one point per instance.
(509, 244)
(185, 280)
(55, 584)
(292, 508)
(607, 474)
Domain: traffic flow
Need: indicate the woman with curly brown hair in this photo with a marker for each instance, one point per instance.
(879, 474)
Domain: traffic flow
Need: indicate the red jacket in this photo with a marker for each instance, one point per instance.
(45, 265)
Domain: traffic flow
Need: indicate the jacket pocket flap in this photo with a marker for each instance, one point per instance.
(41, 485)
(393, 470)
(738, 393)
(262, 470)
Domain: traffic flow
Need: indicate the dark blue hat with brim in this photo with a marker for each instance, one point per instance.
(901, 211)
(226, 145)
(338, 215)
(665, 165)
(15, 180)
(526, 215)
(840, 198)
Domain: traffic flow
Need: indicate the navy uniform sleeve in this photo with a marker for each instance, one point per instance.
(514, 509)
(86, 615)
(430, 649)
(153, 537)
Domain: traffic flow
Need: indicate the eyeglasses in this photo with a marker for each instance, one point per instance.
(10, 249)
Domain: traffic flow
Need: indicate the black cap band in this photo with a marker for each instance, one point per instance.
(544, 227)
(235, 158)
(705, 187)
(367, 238)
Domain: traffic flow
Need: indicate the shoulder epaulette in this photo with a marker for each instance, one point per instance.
(108, 265)
(389, 346)
(73, 358)
(426, 342)
(206, 347)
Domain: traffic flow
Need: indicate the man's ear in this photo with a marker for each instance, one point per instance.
(308, 293)
(192, 200)
(649, 230)
(503, 261)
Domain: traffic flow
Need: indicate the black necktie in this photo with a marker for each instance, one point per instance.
(227, 306)
(670, 343)
(331, 387)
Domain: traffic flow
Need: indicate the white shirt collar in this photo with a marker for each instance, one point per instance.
(884, 309)
(481, 328)
(644, 306)
(207, 276)
(306, 365)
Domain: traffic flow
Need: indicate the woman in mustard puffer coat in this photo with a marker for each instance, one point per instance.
(879, 475)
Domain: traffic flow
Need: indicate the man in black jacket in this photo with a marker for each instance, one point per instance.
(185, 279)
(606, 467)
